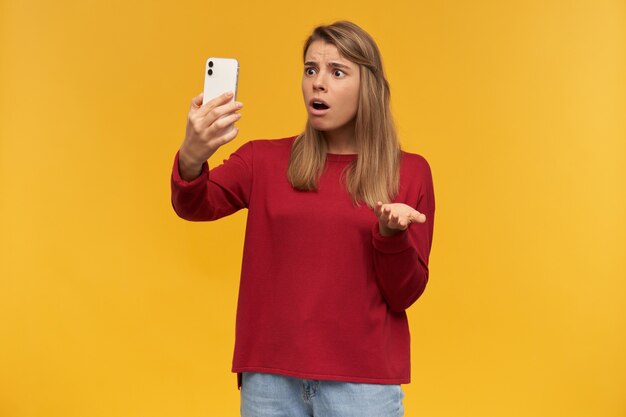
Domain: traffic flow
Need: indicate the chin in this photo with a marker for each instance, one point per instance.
(317, 125)
(321, 125)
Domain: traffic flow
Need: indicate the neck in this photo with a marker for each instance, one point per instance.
(341, 141)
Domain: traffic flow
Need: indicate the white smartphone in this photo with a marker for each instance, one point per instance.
(220, 76)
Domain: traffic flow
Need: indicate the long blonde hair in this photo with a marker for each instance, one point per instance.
(374, 176)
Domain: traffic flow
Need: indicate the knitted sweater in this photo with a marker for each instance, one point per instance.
(322, 294)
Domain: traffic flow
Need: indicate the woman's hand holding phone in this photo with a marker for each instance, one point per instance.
(209, 126)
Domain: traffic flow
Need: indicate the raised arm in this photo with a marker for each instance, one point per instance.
(200, 194)
(209, 126)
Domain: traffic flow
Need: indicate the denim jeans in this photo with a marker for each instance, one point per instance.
(268, 395)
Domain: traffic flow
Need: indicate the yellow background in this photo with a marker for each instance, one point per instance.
(112, 306)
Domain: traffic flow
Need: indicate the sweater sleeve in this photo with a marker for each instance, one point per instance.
(401, 260)
(217, 192)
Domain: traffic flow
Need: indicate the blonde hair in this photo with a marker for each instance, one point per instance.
(374, 175)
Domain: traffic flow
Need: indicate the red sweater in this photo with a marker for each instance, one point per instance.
(322, 294)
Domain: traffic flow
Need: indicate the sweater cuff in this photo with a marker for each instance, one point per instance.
(390, 244)
(189, 184)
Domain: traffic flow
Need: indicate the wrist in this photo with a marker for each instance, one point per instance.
(188, 169)
(386, 231)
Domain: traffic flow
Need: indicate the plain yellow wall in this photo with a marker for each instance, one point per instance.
(111, 306)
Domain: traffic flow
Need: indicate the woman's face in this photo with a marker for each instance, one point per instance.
(330, 86)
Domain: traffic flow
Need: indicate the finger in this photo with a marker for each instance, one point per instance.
(383, 211)
(390, 222)
(378, 209)
(216, 102)
(229, 136)
(394, 221)
(387, 215)
(220, 111)
(403, 222)
(196, 102)
(225, 121)
(417, 217)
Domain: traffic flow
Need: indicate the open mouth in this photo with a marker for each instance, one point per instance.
(319, 105)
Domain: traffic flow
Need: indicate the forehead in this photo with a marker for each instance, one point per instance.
(321, 51)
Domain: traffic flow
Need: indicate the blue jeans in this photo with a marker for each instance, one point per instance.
(268, 395)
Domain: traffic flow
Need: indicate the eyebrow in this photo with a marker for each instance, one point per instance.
(331, 64)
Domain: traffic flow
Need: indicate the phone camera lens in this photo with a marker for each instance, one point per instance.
(210, 64)
(210, 72)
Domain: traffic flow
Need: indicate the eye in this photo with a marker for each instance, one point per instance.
(309, 71)
(339, 73)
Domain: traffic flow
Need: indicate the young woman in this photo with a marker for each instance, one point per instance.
(339, 231)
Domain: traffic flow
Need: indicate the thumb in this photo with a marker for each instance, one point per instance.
(417, 217)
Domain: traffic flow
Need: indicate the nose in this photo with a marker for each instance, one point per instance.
(319, 84)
